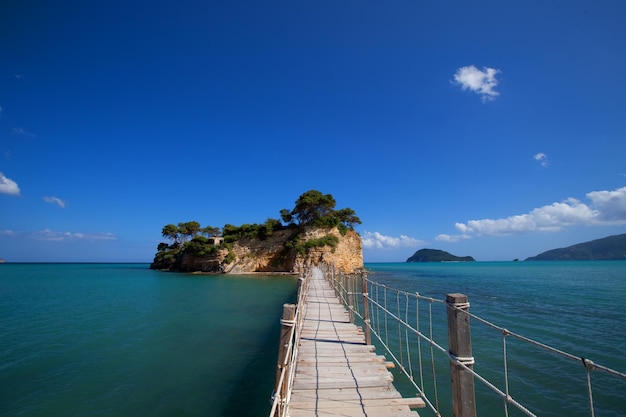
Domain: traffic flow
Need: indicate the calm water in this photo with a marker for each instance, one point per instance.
(122, 340)
(576, 307)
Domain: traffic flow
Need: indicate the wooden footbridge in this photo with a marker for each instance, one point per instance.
(327, 365)
(333, 371)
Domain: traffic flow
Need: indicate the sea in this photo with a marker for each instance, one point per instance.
(124, 340)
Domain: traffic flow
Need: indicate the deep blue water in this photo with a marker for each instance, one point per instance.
(122, 340)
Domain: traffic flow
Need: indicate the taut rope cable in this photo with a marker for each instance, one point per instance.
(419, 342)
(432, 355)
(406, 335)
(506, 376)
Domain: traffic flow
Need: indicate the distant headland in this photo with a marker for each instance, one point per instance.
(436, 255)
(606, 249)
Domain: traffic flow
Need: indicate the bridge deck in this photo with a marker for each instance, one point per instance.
(337, 374)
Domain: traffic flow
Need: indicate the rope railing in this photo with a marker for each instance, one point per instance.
(396, 319)
(288, 349)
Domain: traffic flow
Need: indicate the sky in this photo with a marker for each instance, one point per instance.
(492, 129)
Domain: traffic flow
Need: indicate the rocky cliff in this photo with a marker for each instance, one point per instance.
(274, 254)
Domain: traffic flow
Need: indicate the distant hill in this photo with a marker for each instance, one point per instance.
(606, 249)
(436, 255)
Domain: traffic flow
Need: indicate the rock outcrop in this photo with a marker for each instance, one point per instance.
(274, 254)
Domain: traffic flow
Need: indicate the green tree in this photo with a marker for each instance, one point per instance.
(348, 217)
(312, 206)
(286, 216)
(211, 231)
(172, 232)
(189, 229)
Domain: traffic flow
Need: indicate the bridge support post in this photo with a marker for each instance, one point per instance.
(287, 322)
(349, 288)
(366, 309)
(460, 349)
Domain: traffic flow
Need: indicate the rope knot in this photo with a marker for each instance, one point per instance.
(463, 360)
(588, 363)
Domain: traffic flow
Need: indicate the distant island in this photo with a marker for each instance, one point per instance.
(2, 261)
(313, 232)
(606, 249)
(436, 255)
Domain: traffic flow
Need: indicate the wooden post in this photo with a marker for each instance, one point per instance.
(350, 297)
(460, 347)
(301, 280)
(287, 322)
(366, 309)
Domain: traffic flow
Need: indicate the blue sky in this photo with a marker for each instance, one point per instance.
(495, 129)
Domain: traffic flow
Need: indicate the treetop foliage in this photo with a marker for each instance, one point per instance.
(316, 209)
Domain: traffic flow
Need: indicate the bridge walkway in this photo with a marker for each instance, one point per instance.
(337, 374)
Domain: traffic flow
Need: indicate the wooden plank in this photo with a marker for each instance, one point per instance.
(354, 358)
(354, 412)
(347, 394)
(360, 369)
(415, 402)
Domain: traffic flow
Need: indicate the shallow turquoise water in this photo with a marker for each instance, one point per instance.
(122, 340)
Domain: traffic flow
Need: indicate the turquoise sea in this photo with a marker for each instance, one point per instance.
(122, 340)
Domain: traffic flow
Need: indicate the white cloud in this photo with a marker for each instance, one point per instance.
(611, 205)
(22, 132)
(376, 240)
(451, 238)
(8, 186)
(477, 81)
(606, 208)
(542, 158)
(51, 235)
(55, 200)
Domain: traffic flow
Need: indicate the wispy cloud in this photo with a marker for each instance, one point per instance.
(55, 200)
(542, 158)
(451, 238)
(8, 186)
(54, 236)
(375, 240)
(605, 208)
(480, 82)
(22, 132)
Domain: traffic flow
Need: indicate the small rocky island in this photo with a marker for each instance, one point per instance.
(606, 249)
(312, 232)
(436, 255)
